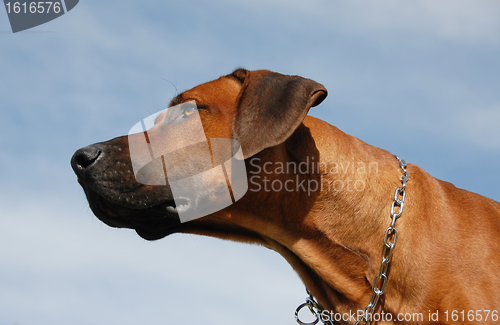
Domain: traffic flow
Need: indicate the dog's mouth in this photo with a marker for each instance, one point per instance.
(151, 223)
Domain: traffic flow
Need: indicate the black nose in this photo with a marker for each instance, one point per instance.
(84, 158)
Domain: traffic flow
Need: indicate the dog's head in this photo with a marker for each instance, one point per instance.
(259, 110)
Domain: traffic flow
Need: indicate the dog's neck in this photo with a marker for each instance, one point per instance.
(332, 224)
(337, 252)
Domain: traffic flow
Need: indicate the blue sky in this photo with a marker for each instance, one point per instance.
(420, 79)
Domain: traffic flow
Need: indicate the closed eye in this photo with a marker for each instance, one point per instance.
(184, 110)
(179, 112)
(190, 110)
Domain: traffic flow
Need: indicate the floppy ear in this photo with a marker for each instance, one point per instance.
(270, 107)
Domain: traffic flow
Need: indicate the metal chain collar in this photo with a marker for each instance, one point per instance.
(381, 279)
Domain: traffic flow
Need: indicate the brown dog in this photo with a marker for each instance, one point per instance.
(322, 199)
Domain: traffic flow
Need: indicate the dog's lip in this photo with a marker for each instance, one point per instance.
(150, 223)
(104, 209)
(179, 204)
(156, 212)
(154, 234)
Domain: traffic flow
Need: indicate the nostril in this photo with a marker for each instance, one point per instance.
(84, 157)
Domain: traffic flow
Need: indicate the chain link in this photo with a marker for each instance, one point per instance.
(380, 282)
(315, 309)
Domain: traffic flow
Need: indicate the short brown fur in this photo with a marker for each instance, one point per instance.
(448, 247)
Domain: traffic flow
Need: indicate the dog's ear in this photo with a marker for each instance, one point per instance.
(270, 107)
